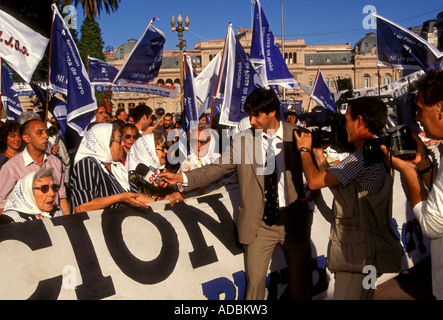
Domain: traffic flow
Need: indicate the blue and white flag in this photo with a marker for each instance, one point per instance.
(205, 86)
(56, 106)
(322, 94)
(68, 76)
(266, 55)
(9, 100)
(400, 48)
(190, 112)
(238, 79)
(100, 72)
(145, 59)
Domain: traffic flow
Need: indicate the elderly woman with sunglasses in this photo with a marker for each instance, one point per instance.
(33, 198)
(149, 150)
(99, 180)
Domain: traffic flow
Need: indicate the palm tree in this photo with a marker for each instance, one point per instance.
(93, 8)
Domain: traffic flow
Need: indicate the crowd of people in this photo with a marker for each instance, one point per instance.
(123, 160)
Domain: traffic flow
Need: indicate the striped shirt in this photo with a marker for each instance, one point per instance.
(369, 173)
(15, 216)
(91, 179)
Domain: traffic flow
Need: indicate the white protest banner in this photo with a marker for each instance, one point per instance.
(185, 252)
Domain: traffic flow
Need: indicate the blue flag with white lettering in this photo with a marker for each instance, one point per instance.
(101, 72)
(239, 79)
(322, 94)
(9, 100)
(400, 48)
(145, 60)
(68, 76)
(266, 55)
(190, 112)
(56, 106)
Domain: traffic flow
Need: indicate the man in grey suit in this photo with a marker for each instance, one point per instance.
(259, 230)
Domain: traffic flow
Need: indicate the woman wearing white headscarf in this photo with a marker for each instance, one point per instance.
(203, 150)
(32, 198)
(150, 151)
(99, 180)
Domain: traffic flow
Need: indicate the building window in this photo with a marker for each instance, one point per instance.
(376, 79)
(366, 81)
(388, 78)
(121, 105)
(131, 105)
(310, 82)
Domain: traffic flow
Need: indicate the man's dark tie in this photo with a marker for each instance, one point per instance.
(271, 212)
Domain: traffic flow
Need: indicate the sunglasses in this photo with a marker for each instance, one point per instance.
(45, 188)
(129, 136)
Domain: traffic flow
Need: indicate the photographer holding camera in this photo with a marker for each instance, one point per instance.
(361, 230)
(424, 184)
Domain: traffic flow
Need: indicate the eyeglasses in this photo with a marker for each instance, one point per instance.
(160, 148)
(202, 141)
(129, 136)
(45, 188)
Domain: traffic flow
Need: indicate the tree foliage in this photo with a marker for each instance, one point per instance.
(93, 8)
(91, 42)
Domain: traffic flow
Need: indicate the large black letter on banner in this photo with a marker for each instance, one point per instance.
(145, 272)
(36, 237)
(224, 230)
(95, 285)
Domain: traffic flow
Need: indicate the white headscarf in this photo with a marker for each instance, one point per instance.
(22, 198)
(143, 151)
(96, 144)
(195, 161)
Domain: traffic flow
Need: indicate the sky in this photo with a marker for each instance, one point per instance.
(318, 22)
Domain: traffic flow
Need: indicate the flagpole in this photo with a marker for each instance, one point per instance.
(310, 99)
(49, 63)
(283, 43)
(1, 80)
(106, 93)
(218, 80)
(170, 108)
(378, 76)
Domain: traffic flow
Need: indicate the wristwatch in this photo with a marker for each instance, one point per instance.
(304, 149)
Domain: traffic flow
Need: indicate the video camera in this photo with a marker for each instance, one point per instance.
(329, 130)
(398, 140)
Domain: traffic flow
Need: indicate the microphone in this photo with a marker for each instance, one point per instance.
(150, 173)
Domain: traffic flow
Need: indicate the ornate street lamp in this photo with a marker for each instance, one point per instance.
(181, 44)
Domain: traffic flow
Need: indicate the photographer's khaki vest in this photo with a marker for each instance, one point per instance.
(362, 232)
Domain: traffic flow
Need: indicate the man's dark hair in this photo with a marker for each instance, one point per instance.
(119, 111)
(138, 112)
(373, 112)
(431, 85)
(262, 100)
(24, 129)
